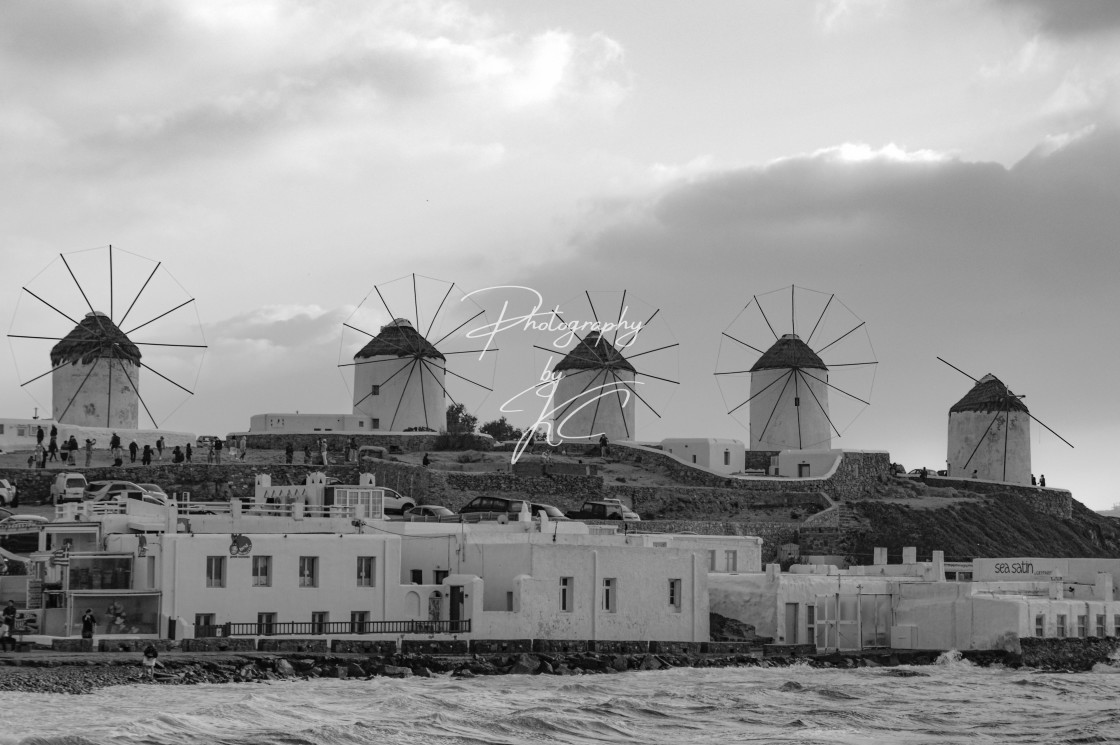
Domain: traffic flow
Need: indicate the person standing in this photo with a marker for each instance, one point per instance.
(40, 456)
(133, 449)
(146, 457)
(7, 643)
(189, 451)
(54, 430)
(88, 623)
(10, 613)
(1042, 481)
(218, 451)
(243, 445)
(89, 451)
(604, 446)
(52, 449)
(39, 434)
(115, 446)
(159, 447)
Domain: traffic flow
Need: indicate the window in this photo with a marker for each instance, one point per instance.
(566, 588)
(694, 458)
(440, 575)
(375, 390)
(375, 424)
(1040, 625)
(675, 594)
(1100, 626)
(264, 623)
(262, 571)
(367, 565)
(726, 458)
(509, 602)
(1061, 626)
(732, 559)
(712, 560)
(215, 571)
(610, 590)
(811, 621)
(416, 576)
(203, 619)
(358, 621)
(309, 571)
(319, 621)
(1083, 626)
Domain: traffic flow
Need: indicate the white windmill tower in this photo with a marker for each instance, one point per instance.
(403, 379)
(403, 386)
(600, 380)
(786, 385)
(990, 433)
(96, 362)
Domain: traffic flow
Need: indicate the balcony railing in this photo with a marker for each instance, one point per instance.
(332, 628)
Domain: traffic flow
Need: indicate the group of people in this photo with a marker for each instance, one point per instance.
(66, 450)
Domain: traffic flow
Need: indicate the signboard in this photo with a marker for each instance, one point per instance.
(1019, 569)
(34, 593)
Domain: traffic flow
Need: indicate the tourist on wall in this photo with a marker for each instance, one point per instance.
(159, 447)
(133, 448)
(218, 452)
(243, 446)
(52, 449)
(89, 451)
(115, 446)
(177, 455)
(39, 435)
(146, 457)
(88, 624)
(40, 456)
(189, 452)
(426, 461)
(1042, 480)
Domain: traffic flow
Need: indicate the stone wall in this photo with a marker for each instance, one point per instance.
(406, 442)
(1069, 654)
(1055, 502)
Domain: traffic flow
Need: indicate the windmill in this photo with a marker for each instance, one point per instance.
(989, 433)
(600, 380)
(405, 374)
(783, 382)
(96, 362)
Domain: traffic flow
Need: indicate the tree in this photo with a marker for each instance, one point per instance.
(500, 430)
(459, 421)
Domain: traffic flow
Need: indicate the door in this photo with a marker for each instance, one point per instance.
(435, 605)
(803, 470)
(456, 608)
(791, 623)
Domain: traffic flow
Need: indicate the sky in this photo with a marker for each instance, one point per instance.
(949, 171)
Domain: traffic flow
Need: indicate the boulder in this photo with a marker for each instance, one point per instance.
(283, 667)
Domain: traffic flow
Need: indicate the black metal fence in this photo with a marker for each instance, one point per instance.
(328, 628)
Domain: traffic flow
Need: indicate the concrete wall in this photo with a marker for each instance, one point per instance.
(717, 455)
(301, 423)
(103, 393)
(777, 423)
(983, 441)
(589, 403)
(412, 398)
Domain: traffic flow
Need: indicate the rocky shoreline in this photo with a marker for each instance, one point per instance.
(77, 676)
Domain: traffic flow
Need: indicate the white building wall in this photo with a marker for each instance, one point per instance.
(817, 463)
(777, 423)
(1009, 433)
(590, 403)
(100, 394)
(304, 423)
(403, 400)
(718, 455)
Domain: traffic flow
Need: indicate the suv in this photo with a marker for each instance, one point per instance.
(68, 487)
(604, 509)
(483, 508)
(7, 492)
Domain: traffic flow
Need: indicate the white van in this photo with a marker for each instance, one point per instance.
(68, 487)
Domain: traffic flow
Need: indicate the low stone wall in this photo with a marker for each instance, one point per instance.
(1056, 502)
(406, 442)
(1069, 654)
(223, 644)
(292, 645)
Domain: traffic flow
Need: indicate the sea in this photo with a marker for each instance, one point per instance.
(950, 702)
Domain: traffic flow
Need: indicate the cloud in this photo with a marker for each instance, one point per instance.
(1067, 19)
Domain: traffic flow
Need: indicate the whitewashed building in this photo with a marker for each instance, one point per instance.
(718, 455)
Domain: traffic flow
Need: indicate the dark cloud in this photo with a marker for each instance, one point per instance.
(1070, 18)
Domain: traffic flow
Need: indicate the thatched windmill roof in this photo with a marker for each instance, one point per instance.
(594, 352)
(399, 338)
(95, 336)
(989, 395)
(789, 351)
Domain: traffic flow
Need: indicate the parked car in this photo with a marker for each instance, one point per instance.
(68, 487)
(22, 520)
(482, 507)
(429, 510)
(7, 492)
(102, 491)
(154, 489)
(604, 509)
